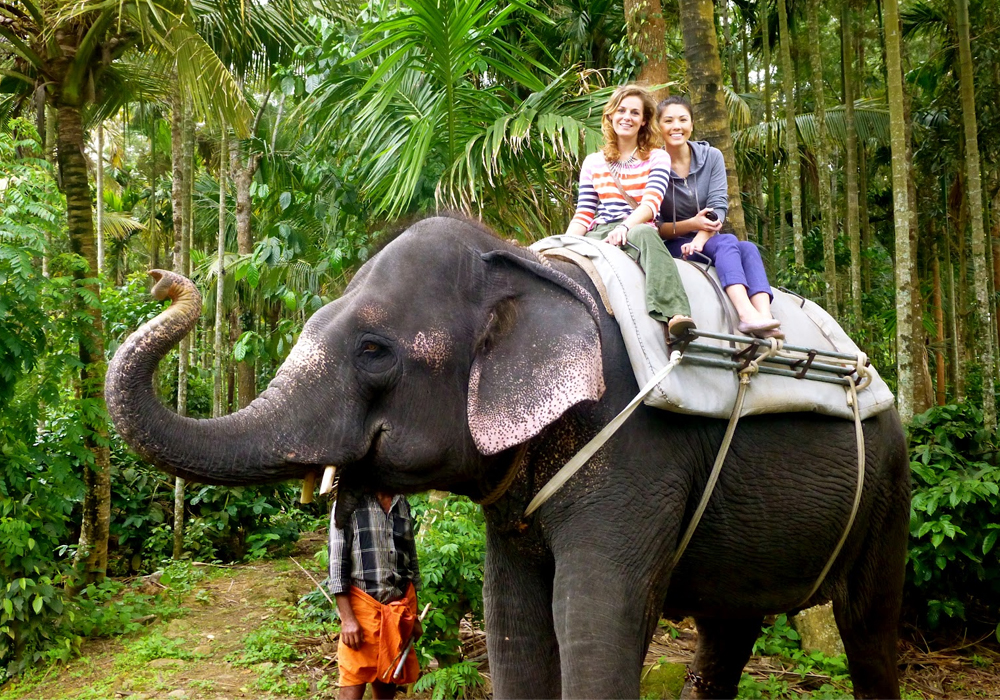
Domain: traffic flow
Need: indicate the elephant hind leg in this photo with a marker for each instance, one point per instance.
(868, 618)
(724, 647)
(867, 611)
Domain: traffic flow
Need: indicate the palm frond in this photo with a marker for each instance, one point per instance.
(212, 88)
(923, 18)
(120, 225)
(740, 114)
(871, 121)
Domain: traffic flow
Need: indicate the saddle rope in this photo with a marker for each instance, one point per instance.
(581, 457)
(745, 374)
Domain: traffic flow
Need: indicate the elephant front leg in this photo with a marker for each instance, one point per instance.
(605, 614)
(523, 652)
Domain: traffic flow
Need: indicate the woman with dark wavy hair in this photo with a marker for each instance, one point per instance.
(621, 190)
(691, 216)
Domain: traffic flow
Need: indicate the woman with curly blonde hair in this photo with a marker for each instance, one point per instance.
(621, 189)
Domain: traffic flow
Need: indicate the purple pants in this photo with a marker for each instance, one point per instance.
(736, 261)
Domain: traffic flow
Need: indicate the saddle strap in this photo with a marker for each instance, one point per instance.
(585, 264)
(581, 457)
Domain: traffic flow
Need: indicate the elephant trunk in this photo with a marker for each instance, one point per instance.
(251, 446)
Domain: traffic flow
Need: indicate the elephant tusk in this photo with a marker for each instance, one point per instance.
(328, 475)
(308, 484)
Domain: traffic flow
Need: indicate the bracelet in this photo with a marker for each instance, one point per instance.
(622, 226)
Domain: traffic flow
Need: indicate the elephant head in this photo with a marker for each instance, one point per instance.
(448, 348)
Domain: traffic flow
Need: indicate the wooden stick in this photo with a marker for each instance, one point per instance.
(409, 645)
(318, 584)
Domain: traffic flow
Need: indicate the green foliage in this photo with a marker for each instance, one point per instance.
(273, 642)
(156, 646)
(953, 558)
(451, 548)
(779, 639)
(450, 105)
(38, 479)
(272, 680)
(455, 681)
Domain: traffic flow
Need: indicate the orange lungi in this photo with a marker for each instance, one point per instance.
(387, 629)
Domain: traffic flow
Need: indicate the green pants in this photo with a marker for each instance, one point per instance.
(665, 295)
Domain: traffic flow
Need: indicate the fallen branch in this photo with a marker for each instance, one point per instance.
(313, 579)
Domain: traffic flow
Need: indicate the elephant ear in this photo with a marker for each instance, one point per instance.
(539, 353)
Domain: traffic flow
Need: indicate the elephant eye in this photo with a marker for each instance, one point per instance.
(374, 355)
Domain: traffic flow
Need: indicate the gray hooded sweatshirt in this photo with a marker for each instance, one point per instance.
(705, 186)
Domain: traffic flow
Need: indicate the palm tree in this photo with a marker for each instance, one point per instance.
(439, 98)
(648, 33)
(852, 219)
(974, 191)
(791, 145)
(61, 49)
(771, 233)
(704, 69)
(827, 221)
(905, 283)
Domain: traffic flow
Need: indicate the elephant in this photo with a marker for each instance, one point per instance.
(459, 361)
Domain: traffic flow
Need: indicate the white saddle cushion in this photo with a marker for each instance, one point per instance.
(711, 391)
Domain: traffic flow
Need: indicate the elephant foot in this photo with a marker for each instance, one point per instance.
(698, 687)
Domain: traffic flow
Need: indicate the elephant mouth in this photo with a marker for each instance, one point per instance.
(332, 471)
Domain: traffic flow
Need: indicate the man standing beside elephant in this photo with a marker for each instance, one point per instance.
(374, 576)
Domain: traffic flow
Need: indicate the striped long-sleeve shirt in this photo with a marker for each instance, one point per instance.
(600, 201)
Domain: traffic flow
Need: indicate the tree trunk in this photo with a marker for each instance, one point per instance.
(180, 266)
(852, 220)
(179, 263)
(905, 283)
(939, 331)
(791, 137)
(99, 195)
(234, 334)
(246, 388)
(828, 222)
(704, 70)
(647, 32)
(771, 236)
(153, 224)
(744, 40)
(956, 364)
(782, 230)
(974, 192)
(727, 32)
(220, 280)
(996, 281)
(92, 553)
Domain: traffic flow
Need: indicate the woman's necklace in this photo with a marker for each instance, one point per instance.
(626, 160)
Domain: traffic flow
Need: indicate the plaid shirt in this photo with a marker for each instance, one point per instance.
(375, 552)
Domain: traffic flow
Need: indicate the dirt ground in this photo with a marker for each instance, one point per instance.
(970, 670)
(235, 602)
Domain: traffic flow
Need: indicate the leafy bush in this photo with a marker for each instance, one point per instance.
(779, 639)
(953, 557)
(451, 548)
(453, 681)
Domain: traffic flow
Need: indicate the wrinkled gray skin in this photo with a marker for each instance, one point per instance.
(450, 336)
